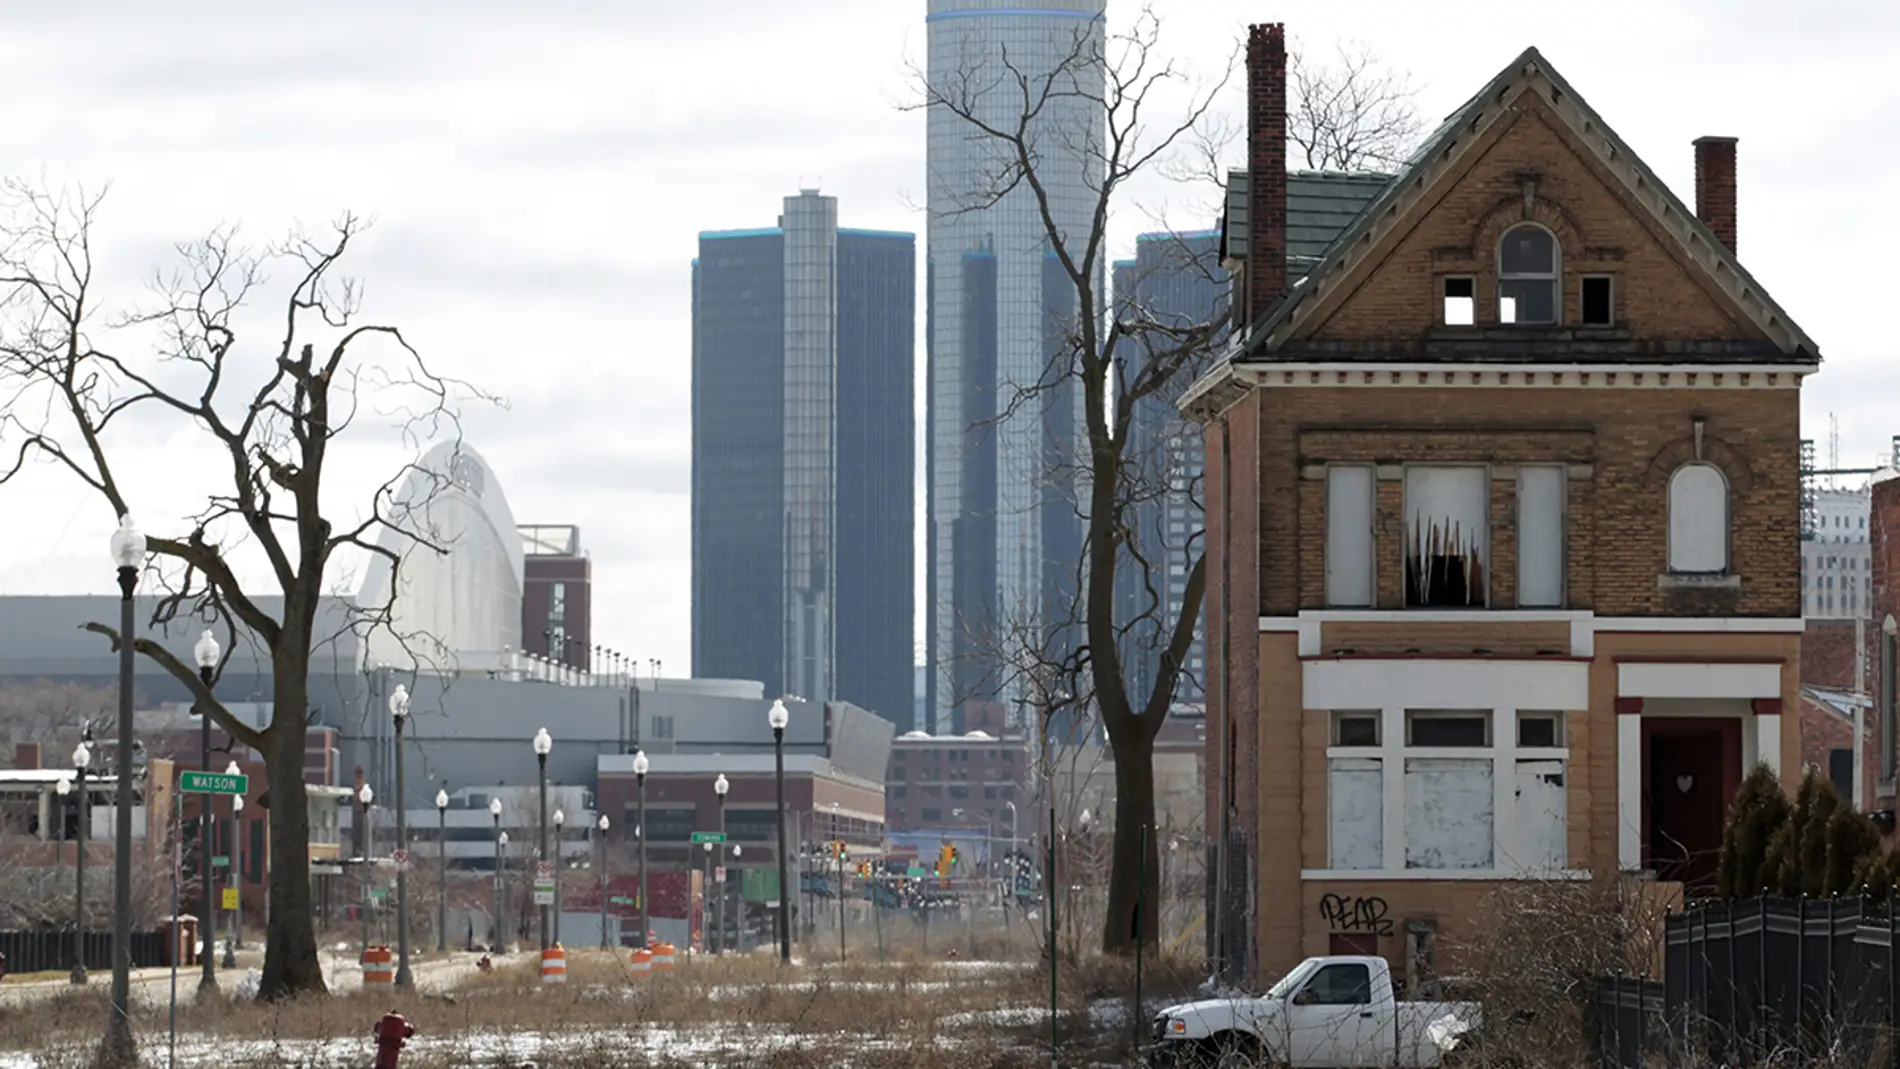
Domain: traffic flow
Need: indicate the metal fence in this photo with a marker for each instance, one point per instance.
(1748, 981)
(53, 951)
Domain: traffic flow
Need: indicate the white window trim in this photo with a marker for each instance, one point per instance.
(1504, 754)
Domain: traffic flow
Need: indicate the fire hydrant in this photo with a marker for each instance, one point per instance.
(391, 1032)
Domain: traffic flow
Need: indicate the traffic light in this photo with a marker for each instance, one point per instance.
(864, 869)
(946, 857)
(838, 850)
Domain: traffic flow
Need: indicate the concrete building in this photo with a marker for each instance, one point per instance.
(1504, 523)
(803, 494)
(1003, 538)
(557, 597)
(1836, 565)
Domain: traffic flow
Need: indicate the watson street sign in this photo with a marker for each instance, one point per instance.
(212, 783)
(709, 837)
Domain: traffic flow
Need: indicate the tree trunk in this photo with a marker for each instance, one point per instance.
(1134, 880)
(291, 967)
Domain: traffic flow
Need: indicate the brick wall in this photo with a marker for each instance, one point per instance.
(1622, 444)
(1883, 528)
(1829, 653)
(1657, 293)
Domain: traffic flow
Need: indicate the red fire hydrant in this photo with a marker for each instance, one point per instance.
(390, 1033)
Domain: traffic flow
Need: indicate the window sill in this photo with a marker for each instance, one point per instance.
(1698, 581)
(1465, 875)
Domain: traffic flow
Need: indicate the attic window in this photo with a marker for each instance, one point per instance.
(1527, 276)
(1461, 295)
(1598, 304)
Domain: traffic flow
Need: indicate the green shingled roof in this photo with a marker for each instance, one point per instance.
(1320, 205)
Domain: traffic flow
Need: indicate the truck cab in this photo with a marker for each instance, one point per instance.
(1334, 1011)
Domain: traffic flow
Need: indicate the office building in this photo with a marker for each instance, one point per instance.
(1003, 539)
(803, 336)
(556, 594)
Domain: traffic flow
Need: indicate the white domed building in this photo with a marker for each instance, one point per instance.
(458, 597)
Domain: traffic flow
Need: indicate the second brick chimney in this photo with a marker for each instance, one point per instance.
(1266, 166)
(1715, 186)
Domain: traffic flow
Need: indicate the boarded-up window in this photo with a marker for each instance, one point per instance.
(1349, 492)
(1540, 536)
(1542, 818)
(1448, 813)
(1698, 520)
(1357, 806)
(1447, 522)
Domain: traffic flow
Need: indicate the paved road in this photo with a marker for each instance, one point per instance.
(340, 970)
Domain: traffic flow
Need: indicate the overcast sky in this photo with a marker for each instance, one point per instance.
(539, 172)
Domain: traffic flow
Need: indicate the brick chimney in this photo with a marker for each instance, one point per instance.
(1266, 166)
(1715, 186)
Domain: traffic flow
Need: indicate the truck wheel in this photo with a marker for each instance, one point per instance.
(1231, 1050)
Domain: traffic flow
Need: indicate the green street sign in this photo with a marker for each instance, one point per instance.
(621, 900)
(709, 837)
(212, 783)
(220, 862)
(378, 894)
(914, 872)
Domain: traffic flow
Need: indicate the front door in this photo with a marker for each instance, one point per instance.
(1688, 796)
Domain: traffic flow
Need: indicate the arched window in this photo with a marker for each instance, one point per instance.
(1527, 275)
(1698, 520)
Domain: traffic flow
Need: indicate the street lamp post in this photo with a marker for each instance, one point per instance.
(118, 1047)
(399, 714)
(206, 654)
(543, 743)
(603, 824)
(501, 887)
(560, 825)
(82, 756)
(364, 798)
(442, 871)
(496, 942)
(237, 880)
(779, 717)
(720, 787)
(640, 768)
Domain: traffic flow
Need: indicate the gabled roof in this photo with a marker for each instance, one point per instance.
(1443, 152)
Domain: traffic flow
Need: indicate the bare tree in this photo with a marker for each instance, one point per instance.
(1122, 366)
(1354, 114)
(1110, 362)
(273, 413)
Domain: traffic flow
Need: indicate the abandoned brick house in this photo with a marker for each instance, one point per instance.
(1503, 530)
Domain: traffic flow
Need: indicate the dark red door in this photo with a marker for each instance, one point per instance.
(1688, 798)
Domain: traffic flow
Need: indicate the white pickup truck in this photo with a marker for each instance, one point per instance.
(1330, 1011)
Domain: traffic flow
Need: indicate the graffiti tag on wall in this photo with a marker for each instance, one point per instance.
(1361, 914)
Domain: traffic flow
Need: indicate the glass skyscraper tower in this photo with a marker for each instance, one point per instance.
(803, 343)
(1003, 538)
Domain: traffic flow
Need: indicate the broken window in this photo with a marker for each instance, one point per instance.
(1356, 813)
(1447, 519)
(1461, 301)
(1698, 520)
(1448, 813)
(1527, 276)
(1540, 536)
(1597, 304)
(1349, 490)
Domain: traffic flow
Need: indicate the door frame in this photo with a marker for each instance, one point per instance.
(1730, 730)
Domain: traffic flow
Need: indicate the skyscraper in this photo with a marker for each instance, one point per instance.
(803, 336)
(1177, 281)
(1003, 538)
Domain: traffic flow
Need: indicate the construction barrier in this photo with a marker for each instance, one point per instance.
(642, 962)
(379, 970)
(663, 957)
(554, 965)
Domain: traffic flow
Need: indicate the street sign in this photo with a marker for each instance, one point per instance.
(621, 900)
(543, 870)
(230, 898)
(401, 860)
(378, 894)
(719, 874)
(220, 862)
(544, 898)
(212, 783)
(914, 872)
(709, 837)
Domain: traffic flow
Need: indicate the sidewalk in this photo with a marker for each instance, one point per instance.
(341, 972)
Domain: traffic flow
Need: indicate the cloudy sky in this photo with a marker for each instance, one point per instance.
(538, 172)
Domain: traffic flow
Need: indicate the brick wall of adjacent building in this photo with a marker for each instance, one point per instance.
(1622, 445)
(1883, 529)
(1829, 653)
